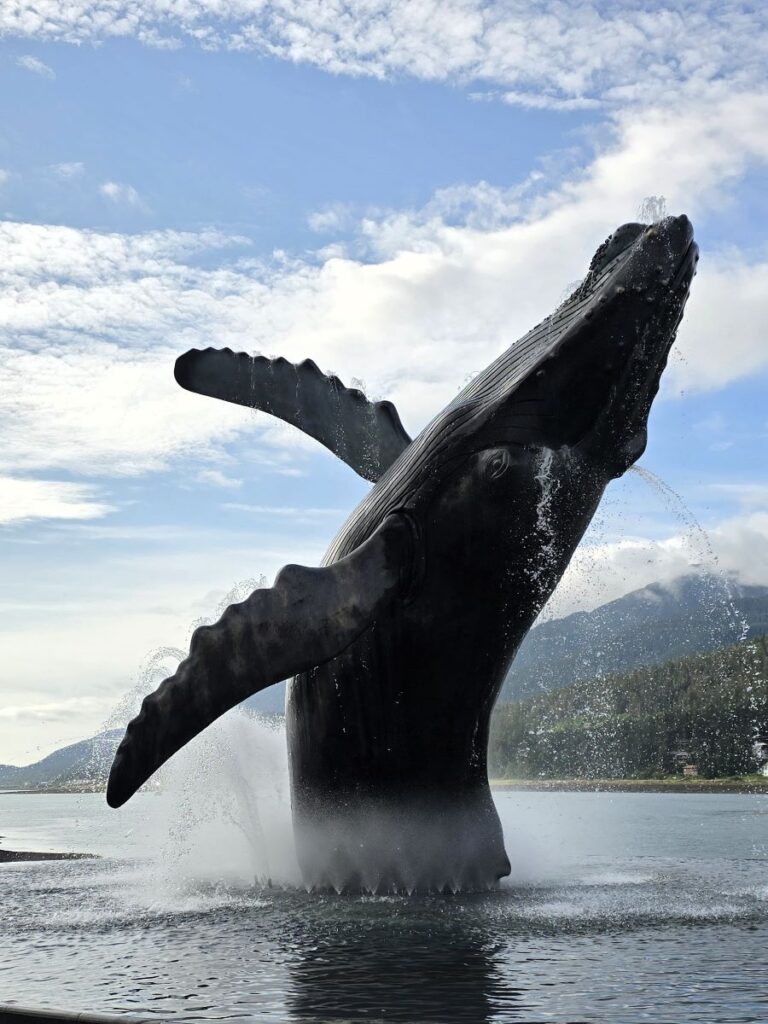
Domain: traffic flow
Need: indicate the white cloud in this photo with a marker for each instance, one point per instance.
(216, 478)
(43, 252)
(301, 514)
(481, 206)
(31, 731)
(68, 169)
(96, 408)
(36, 66)
(558, 53)
(23, 499)
(122, 194)
(330, 219)
(601, 572)
(4, 176)
(725, 331)
(741, 545)
(53, 711)
(537, 101)
(628, 547)
(92, 322)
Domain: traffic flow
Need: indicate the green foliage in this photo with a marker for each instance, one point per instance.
(638, 724)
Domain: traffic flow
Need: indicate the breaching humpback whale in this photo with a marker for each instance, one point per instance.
(397, 646)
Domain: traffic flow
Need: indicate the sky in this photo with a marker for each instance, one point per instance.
(397, 189)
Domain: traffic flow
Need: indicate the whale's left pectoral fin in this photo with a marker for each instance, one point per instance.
(367, 435)
(308, 617)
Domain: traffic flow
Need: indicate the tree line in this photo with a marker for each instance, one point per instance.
(705, 709)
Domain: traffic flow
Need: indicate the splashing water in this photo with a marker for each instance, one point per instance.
(596, 577)
(652, 209)
(223, 813)
(716, 578)
(216, 819)
(698, 540)
(154, 668)
(568, 291)
(239, 592)
(227, 805)
(548, 485)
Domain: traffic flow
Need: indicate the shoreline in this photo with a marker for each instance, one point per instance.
(753, 786)
(45, 791)
(676, 784)
(17, 856)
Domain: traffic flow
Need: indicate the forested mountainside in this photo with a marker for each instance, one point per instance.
(705, 709)
(693, 613)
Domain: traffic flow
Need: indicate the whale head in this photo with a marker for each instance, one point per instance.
(578, 386)
(585, 378)
(542, 430)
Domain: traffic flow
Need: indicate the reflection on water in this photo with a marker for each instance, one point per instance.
(621, 908)
(399, 960)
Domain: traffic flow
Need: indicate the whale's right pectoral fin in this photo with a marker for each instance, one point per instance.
(308, 617)
(368, 436)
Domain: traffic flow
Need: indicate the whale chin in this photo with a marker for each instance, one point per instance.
(378, 848)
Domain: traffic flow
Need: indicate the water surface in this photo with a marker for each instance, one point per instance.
(622, 907)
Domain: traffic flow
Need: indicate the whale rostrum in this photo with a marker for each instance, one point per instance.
(397, 646)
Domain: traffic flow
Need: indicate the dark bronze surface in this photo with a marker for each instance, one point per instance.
(368, 436)
(446, 564)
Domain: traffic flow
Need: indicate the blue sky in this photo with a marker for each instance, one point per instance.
(399, 192)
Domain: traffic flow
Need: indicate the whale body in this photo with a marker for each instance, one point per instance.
(396, 648)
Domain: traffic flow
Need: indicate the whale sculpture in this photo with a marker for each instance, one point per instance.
(397, 646)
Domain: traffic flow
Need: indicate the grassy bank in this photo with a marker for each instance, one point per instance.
(675, 784)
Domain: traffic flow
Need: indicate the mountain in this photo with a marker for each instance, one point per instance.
(80, 765)
(647, 627)
(692, 614)
(705, 709)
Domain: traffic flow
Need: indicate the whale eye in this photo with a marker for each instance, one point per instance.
(497, 463)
